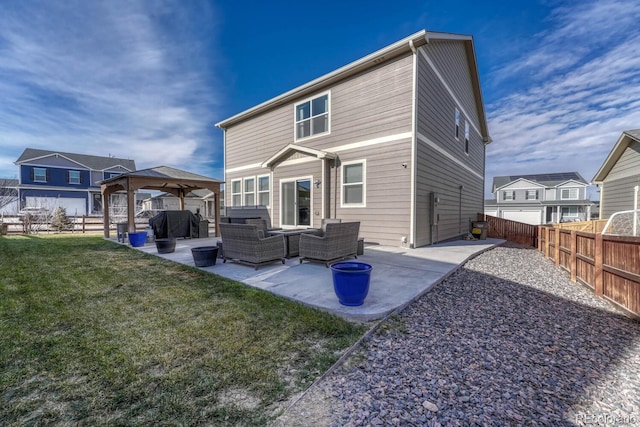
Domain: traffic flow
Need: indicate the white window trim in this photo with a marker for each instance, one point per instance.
(267, 191)
(295, 118)
(504, 195)
(79, 177)
(577, 190)
(467, 137)
(456, 128)
(245, 193)
(364, 184)
(526, 194)
(35, 178)
(235, 194)
(285, 180)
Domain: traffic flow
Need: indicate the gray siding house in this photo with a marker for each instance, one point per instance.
(540, 198)
(619, 176)
(395, 140)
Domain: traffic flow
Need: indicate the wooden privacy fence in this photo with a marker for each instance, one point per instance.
(610, 265)
(513, 231)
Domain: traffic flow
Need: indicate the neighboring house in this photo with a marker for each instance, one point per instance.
(541, 198)
(619, 176)
(49, 179)
(9, 196)
(202, 201)
(395, 140)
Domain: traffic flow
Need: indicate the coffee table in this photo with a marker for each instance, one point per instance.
(292, 239)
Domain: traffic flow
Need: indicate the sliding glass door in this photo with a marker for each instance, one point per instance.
(296, 203)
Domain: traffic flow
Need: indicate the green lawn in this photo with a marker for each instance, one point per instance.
(97, 333)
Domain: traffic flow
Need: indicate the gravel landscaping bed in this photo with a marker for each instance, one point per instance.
(507, 340)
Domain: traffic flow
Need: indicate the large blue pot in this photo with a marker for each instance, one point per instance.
(138, 239)
(351, 281)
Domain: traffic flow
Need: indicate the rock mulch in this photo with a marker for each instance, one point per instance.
(506, 340)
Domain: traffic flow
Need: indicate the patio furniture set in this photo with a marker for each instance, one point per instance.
(254, 244)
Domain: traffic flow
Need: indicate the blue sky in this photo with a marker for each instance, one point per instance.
(147, 80)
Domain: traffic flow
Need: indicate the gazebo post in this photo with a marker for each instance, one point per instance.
(131, 208)
(105, 209)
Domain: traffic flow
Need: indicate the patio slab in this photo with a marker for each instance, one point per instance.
(399, 276)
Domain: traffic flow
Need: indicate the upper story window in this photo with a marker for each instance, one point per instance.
(236, 193)
(73, 177)
(353, 183)
(39, 175)
(457, 130)
(264, 189)
(532, 195)
(466, 137)
(569, 194)
(508, 195)
(312, 117)
(108, 175)
(249, 191)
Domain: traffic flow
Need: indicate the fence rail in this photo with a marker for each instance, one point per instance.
(512, 231)
(609, 265)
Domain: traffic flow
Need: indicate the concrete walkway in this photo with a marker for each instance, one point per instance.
(399, 275)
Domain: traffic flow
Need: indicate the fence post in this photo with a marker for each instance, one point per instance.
(546, 242)
(539, 238)
(598, 286)
(557, 248)
(573, 257)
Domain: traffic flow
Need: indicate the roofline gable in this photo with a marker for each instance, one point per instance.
(571, 180)
(518, 180)
(54, 154)
(404, 46)
(625, 139)
(286, 151)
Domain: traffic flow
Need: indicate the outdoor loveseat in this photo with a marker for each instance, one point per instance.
(247, 244)
(338, 241)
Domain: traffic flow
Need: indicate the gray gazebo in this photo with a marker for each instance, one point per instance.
(161, 178)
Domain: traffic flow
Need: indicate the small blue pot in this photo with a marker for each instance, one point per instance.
(351, 281)
(138, 239)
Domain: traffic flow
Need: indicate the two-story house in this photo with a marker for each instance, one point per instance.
(540, 198)
(48, 179)
(619, 176)
(395, 140)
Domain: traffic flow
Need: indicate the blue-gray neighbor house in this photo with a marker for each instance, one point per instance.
(48, 179)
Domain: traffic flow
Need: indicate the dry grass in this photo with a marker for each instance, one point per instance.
(96, 333)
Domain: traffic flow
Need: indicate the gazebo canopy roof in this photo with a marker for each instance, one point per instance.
(163, 178)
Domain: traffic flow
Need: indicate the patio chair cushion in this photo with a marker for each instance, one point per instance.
(339, 241)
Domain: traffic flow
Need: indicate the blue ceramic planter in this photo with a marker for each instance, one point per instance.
(138, 239)
(351, 281)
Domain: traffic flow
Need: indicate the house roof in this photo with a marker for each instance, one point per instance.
(394, 50)
(98, 163)
(546, 179)
(626, 138)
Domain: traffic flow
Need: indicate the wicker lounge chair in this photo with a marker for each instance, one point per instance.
(245, 243)
(339, 241)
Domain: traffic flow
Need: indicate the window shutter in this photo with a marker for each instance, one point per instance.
(68, 177)
(537, 194)
(47, 174)
(33, 174)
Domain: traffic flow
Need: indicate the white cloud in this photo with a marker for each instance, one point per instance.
(107, 77)
(576, 92)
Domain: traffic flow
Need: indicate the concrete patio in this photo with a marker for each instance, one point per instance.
(399, 275)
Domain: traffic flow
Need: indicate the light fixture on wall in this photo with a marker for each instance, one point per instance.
(316, 182)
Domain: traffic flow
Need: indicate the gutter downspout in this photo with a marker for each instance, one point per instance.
(414, 142)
